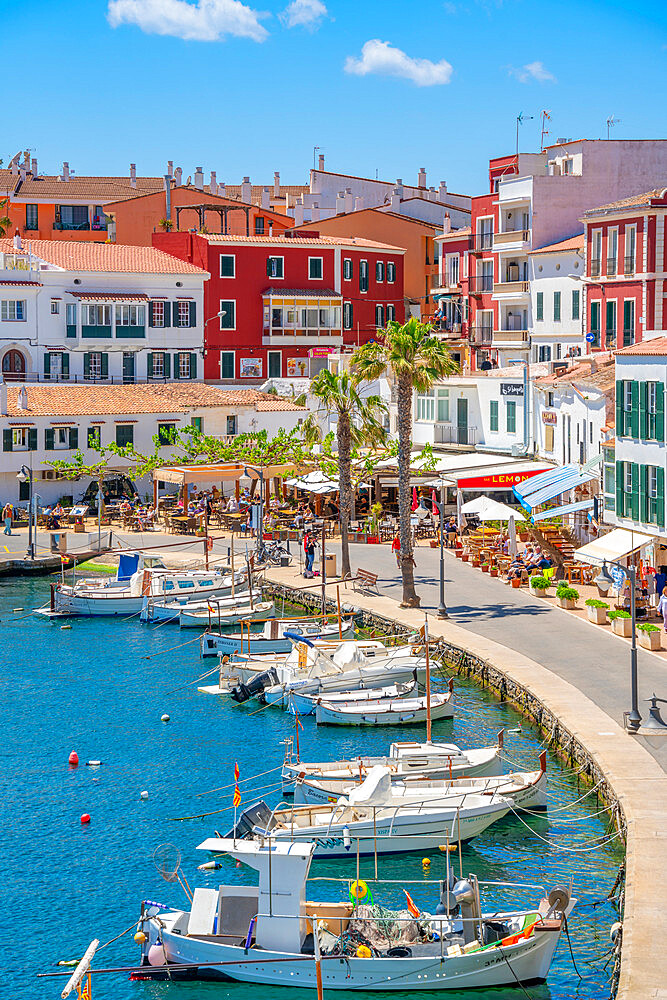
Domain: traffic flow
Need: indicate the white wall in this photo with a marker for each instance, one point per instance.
(549, 273)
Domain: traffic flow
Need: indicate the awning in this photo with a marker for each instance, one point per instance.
(533, 492)
(569, 508)
(618, 543)
(183, 474)
(488, 509)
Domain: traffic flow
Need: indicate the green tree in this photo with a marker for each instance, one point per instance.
(416, 359)
(5, 221)
(358, 423)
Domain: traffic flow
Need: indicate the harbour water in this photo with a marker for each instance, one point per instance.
(100, 688)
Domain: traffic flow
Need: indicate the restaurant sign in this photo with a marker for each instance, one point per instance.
(511, 388)
(499, 481)
(549, 417)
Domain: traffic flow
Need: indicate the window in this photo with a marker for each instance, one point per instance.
(596, 253)
(55, 307)
(453, 269)
(363, 275)
(347, 269)
(630, 249)
(568, 166)
(94, 315)
(228, 264)
(227, 314)
(347, 316)
(158, 367)
(185, 366)
(627, 477)
(124, 435)
(157, 314)
(65, 438)
(612, 251)
(391, 272)
(575, 303)
(259, 226)
(595, 323)
(95, 365)
(56, 365)
(379, 316)
(133, 315)
(391, 314)
(379, 270)
(610, 319)
(275, 267)
(231, 425)
(13, 310)
(226, 364)
(549, 437)
(72, 217)
(443, 405)
(493, 415)
(196, 423)
(183, 313)
(19, 439)
(652, 411)
(31, 217)
(426, 407)
(166, 433)
(70, 318)
(543, 353)
(510, 416)
(628, 322)
(556, 307)
(539, 305)
(315, 268)
(93, 437)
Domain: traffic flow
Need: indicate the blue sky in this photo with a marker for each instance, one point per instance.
(379, 85)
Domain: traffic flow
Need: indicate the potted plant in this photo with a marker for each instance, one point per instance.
(524, 536)
(476, 561)
(539, 586)
(516, 582)
(166, 225)
(596, 611)
(493, 571)
(567, 597)
(649, 636)
(621, 623)
(486, 567)
(458, 552)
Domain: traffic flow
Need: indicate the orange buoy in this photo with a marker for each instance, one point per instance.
(73, 758)
(85, 818)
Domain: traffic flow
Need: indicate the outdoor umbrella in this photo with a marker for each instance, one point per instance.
(415, 501)
(434, 501)
(488, 509)
(511, 531)
(460, 519)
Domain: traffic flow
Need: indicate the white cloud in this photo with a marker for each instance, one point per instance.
(203, 21)
(532, 71)
(385, 60)
(304, 14)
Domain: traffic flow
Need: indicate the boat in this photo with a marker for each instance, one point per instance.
(386, 711)
(526, 789)
(304, 704)
(138, 576)
(223, 618)
(162, 609)
(274, 934)
(434, 760)
(273, 638)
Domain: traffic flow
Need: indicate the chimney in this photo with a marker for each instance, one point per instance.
(349, 200)
(246, 191)
(178, 176)
(447, 224)
(399, 187)
(199, 178)
(22, 172)
(432, 194)
(340, 203)
(33, 166)
(320, 162)
(395, 201)
(358, 203)
(266, 198)
(167, 196)
(422, 177)
(213, 184)
(594, 366)
(442, 191)
(22, 401)
(298, 213)
(17, 241)
(276, 185)
(170, 167)
(222, 189)
(133, 174)
(26, 158)
(65, 171)
(3, 397)
(315, 212)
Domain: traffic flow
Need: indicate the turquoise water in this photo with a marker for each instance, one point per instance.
(100, 689)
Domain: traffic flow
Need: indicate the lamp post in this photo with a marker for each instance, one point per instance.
(25, 475)
(259, 474)
(604, 581)
(442, 608)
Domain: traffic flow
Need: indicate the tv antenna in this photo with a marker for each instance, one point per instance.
(546, 117)
(520, 119)
(611, 121)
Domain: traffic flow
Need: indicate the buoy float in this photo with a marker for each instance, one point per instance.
(426, 862)
(85, 818)
(73, 759)
(65, 626)
(209, 866)
(140, 937)
(447, 847)
(164, 718)
(18, 609)
(93, 763)
(363, 951)
(144, 795)
(360, 893)
(68, 962)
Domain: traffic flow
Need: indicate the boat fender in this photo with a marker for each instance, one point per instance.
(615, 930)
(68, 962)
(209, 866)
(164, 718)
(143, 795)
(363, 951)
(93, 763)
(156, 955)
(347, 840)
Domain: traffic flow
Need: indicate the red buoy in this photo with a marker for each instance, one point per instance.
(73, 758)
(85, 818)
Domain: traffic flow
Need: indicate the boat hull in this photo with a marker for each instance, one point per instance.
(327, 714)
(226, 619)
(214, 645)
(110, 606)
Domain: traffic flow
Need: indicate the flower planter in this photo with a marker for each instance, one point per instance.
(569, 605)
(524, 536)
(372, 539)
(485, 567)
(597, 615)
(516, 582)
(458, 553)
(539, 591)
(433, 543)
(465, 557)
(622, 626)
(476, 562)
(493, 571)
(649, 640)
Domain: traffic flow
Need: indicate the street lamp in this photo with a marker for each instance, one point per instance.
(442, 608)
(259, 473)
(25, 475)
(604, 581)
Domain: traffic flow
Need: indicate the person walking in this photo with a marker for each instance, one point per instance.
(396, 548)
(7, 514)
(309, 549)
(662, 607)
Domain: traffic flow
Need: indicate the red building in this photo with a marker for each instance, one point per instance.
(625, 270)
(274, 302)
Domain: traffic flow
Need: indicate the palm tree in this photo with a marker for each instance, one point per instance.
(5, 221)
(357, 423)
(417, 360)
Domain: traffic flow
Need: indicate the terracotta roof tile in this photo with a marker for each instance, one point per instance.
(97, 189)
(349, 241)
(464, 231)
(655, 347)
(122, 400)
(8, 181)
(573, 243)
(640, 200)
(73, 256)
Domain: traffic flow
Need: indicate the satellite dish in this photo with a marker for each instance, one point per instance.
(167, 860)
(559, 899)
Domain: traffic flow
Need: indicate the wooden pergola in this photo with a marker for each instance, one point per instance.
(222, 210)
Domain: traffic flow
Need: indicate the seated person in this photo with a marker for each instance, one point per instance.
(52, 522)
(233, 505)
(517, 568)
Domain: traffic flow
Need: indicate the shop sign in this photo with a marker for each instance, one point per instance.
(499, 481)
(549, 417)
(511, 388)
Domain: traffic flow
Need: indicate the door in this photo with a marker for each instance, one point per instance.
(462, 420)
(13, 366)
(274, 364)
(128, 366)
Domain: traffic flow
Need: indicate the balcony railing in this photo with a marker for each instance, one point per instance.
(445, 281)
(448, 331)
(481, 335)
(596, 267)
(511, 236)
(72, 225)
(628, 336)
(507, 287)
(511, 336)
(481, 241)
(83, 379)
(480, 283)
(453, 434)
(628, 265)
(611, 266)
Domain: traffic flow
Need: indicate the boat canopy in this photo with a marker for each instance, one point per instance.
(128, 565)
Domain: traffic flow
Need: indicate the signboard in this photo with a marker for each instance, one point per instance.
(297, 367)
(320, 352)
(591, 338)
(499, 481)
(549, 417)
(511, 388)
(251, 368)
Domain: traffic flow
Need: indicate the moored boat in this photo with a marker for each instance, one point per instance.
(386, 711)
(211, 616)
(305, 704)
(274, 638)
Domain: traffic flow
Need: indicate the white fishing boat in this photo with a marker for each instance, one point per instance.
(434, 760)
(138, 577)
(219, 618)
(526, 789)
(274, 636)
(168, 610)
(304, 704)
(273, 934)
(386, 711)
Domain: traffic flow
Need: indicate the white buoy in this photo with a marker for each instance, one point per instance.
(144, 795)
(165, 717)
(93, 763)
(209, 866)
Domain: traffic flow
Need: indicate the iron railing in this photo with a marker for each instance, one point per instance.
(611, 266)
(453, 434)
(596, 267)
(629, 265)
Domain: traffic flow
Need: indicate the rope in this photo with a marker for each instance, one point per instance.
(225, 788)
(251, 791)
(122, 933)
(518, 981)
(576, 850)
(170, 648)
(195, 681)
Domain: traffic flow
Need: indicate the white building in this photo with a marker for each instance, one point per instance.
(43, 423)
(98, 312)
(556, 325)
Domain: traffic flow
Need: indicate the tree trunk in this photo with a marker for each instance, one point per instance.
(410, 598)
(344, 437)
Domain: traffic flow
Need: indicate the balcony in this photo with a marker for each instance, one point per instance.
(445, 283)
(448, 331)
(628, 336)
(628, 265)
(510, 336)
(596, 267)
(480, 242)
(79, 226)
(452, 434)
(511, 239)
(96, 332)
(481, 336)
(303, 336)
(481, 283)
(612, 264)
(514, 288)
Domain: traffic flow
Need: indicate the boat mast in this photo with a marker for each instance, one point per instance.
(428, 683)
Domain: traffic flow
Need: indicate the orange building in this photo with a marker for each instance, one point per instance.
(413, 235)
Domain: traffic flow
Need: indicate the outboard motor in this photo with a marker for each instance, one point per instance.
(255, 686)
(467, 896)
(448, 905)
(257, 814)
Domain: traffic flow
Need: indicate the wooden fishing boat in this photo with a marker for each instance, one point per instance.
(305, 704)
(273, 638)
(168, 610)
(387, 711)
(211, 616)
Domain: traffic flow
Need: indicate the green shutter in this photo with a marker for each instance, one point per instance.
(540, 305)
(47, 365)
(660, 502)
(65, 364)
(167, 365)
(634, 412)
(86, 365)
(149, 365)
(7, 440)
(643, 493)
(150, 314)
(167, 314)
(268, 267)
(620, 430)
(556, 307)
(74, 438)
(575, 303)
(105, 366)
(193, 366)
(32, 439)
(643, 410)
(659, 411)
(193, 314)
(634, 496)
(176, 369)
(49, 434)
(620, 491)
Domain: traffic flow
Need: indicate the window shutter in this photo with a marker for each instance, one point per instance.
(166, 361)
(49, 434)
(660, 502)
(105, 366)
(539, 305)
(74, 438)
(634, 412)
(47, 364)
(86, 365)
(150, 314)
(620, 492)
(269, 267)
(634, 496)
(643, 493)
(176, 371)
(193, 314)
(149, 365)
(620, 430)
(659, 411)
(65, 364)
(643, 410)
(7, 440)
(193, 366)
(32, 439)
(167, 314)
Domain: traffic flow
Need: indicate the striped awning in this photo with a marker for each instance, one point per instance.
(568, 508)
(539, 489)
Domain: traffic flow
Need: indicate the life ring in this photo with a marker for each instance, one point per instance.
(417, 650)
(360, 894)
